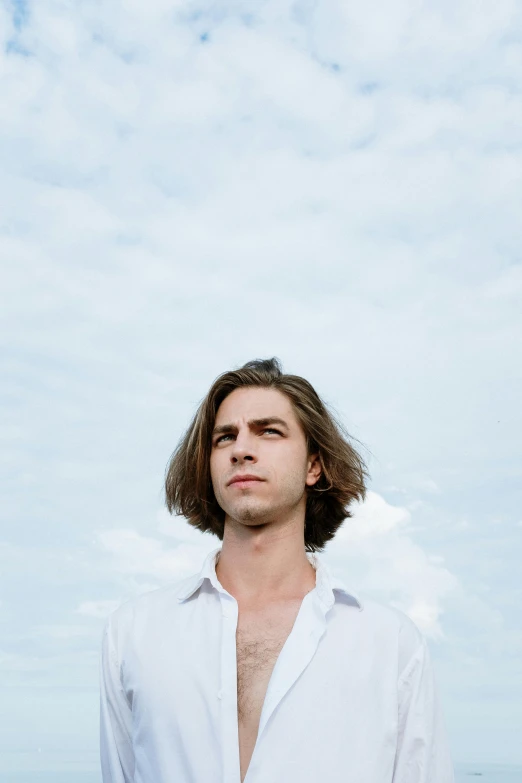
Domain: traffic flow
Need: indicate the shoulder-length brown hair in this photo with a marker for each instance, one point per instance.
(188, 485)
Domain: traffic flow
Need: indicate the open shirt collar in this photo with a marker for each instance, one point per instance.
(326, 583)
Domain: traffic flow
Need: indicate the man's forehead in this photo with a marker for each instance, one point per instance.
(255, 403)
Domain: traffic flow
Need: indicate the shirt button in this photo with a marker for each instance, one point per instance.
(220, 694)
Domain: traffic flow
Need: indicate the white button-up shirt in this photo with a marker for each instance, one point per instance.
(352, 697)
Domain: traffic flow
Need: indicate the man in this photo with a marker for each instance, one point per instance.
(263, 667)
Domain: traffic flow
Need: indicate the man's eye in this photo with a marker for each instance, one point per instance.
(266, 429)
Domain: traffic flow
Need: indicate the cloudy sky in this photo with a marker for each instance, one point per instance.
(187, 186)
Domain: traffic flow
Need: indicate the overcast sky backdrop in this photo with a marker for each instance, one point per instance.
(187, 186)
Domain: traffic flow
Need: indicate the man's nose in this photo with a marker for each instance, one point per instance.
(244, 448)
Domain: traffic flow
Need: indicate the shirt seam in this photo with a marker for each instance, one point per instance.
(410, 665)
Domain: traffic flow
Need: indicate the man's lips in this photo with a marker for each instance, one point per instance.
(244, 480)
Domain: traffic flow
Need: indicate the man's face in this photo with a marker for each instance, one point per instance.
(248, 440)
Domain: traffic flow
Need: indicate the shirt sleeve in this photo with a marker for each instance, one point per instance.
(423, 754)
(116, 752)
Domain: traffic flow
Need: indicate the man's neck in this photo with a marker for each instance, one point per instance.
(258, 569)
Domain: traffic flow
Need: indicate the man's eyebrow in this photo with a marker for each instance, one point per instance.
(223, 428)
(266, 421)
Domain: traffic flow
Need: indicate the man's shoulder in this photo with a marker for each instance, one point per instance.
(390, 616)
(392, 625)
(159, 600)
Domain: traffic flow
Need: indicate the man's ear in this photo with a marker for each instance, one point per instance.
(315, 469)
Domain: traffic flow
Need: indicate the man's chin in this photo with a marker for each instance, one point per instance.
(250, 516)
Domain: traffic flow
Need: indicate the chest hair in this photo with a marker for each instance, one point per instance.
(258, 645)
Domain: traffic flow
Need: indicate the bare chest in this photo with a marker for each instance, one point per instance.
(258, 644)
(260, 637)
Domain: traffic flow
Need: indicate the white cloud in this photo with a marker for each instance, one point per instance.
(139, 555)
(372, 518)
(377, 547)
(62, 631)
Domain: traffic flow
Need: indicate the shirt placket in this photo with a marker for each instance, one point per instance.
(228, 689)
(298, 651)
